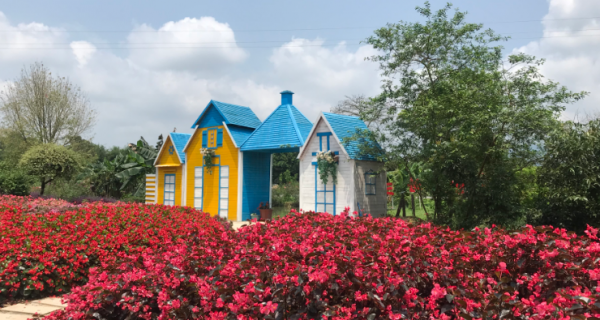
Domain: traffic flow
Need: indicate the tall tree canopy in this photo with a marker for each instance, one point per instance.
(43, 108)
(468, 114)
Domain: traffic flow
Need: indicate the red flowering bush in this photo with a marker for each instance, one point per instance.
(313, 266)
(47, 246)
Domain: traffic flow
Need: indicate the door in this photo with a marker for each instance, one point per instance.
(169, 196)
(324, 194)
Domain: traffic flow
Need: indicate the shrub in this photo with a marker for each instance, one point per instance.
(316, 266)
(48, 245)
(14, 181)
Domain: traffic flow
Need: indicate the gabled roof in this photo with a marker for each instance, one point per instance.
(232, 114)
(285, 126)
(342, 127)
(179, 141)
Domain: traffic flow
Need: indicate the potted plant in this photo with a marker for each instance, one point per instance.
(265, 211)
(327, 162)
(207, 155)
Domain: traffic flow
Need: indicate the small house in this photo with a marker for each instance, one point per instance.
(361, 179)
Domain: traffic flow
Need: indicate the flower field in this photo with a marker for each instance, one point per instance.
(155, 262)
(48, 246)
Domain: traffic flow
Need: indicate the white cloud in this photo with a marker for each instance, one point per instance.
(148, 91)
(83, 51)
(570, 46)
(187, 44)
(322, 76)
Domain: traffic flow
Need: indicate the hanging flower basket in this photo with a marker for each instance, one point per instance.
(327, 162)
(207, 155)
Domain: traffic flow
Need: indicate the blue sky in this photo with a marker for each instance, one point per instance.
(310, 47)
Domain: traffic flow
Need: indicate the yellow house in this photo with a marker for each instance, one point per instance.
(184, 178)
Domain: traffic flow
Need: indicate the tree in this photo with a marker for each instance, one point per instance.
(569, 177)
(455, 105)
(48, 162)
(43, 108)
(367, 109)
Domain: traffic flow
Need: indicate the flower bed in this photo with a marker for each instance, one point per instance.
(317, 265)
(47, 246)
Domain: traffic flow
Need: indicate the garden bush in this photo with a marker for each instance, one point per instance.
(315, 266)
(48, 246)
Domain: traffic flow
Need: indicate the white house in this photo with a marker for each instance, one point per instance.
(361, 179)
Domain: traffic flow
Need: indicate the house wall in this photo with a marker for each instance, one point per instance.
(376, 204)
(227, 156)
(165, 158)
(344, 195)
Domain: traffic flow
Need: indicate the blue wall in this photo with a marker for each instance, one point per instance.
(211, 118)
(257, 173)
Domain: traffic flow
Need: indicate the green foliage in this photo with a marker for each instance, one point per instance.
(14, 180)
(283, 162)
(125, 174)
(68, 189)
(48, 162)
(569, 177)
(287, 192)
(328, 165)
(468, 116)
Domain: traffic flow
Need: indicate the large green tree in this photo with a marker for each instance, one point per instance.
(569, 177)
(470, 115)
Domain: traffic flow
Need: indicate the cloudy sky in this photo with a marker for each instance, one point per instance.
(150, 66)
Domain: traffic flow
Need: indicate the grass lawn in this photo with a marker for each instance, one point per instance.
(419, 212)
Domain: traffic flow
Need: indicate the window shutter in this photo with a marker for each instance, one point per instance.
(219, 137)
(204, 139)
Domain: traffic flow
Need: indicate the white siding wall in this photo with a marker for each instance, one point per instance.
(345, 184)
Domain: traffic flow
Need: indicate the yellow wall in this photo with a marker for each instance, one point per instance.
(166, 158)
(228, 157)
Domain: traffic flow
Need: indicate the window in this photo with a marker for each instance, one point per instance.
(169, 190)
(198, 187)
(370, 178)
(223, 191)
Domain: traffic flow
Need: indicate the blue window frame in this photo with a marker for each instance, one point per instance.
(370, 181)
(324, 198)
(169, 192)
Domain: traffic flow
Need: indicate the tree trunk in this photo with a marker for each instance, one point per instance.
(398, 209)
(412, 202)
(404, 206)
(43, 187)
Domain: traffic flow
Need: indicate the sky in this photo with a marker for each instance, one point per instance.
(149, 67)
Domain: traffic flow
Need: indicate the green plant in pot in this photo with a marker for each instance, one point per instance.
(265, 211)
(327, 162)
(207, 155)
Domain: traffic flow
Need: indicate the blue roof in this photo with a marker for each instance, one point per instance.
(345, 127)
(180, 140)
(232, 114)
(239, 134)
(285, 126)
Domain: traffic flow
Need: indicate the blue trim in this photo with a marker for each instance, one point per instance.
(219, 137)
(216, 138)
(320, 143)
(165, 186)
(328, 148)
(335, 152)
(294, 122)
(323, 134)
